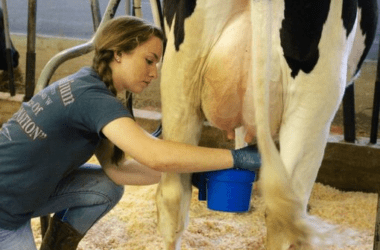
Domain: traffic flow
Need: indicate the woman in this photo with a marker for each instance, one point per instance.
(44, 147)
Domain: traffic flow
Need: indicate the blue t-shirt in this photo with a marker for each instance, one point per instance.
(54, 133)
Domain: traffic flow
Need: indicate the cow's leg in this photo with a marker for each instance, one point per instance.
(302, 145)
(182, 121)
(174, 191)
(304, 132)
(173, 203)
(311, 99)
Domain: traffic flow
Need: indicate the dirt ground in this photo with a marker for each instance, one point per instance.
(133, 222)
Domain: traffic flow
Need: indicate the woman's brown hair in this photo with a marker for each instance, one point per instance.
(121, 34)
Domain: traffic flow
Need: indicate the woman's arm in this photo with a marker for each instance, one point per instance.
(128, 172)
(164, 156)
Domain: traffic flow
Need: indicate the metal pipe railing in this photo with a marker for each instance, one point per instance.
(128, 7)
(96, 16)
(137, 8)
(70, 53)
(157, 14)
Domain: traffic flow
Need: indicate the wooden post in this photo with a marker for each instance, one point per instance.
(8, 49)
(31, 51)
(376, 105)
(376, 241)
(349, 114)
(44, 220)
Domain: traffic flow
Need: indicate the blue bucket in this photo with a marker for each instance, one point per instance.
(230, 190)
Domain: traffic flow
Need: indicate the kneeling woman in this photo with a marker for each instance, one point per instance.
(44, 147)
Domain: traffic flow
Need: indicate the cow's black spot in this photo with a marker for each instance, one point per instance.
(349, 13)
(368, 25)
(180, 10)
(301, 31)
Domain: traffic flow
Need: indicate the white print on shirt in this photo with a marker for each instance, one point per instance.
(28, 126)
(36, 107)
(43, 95)
(52, 91)
(6, 133)
(48, 101)
(65, 91)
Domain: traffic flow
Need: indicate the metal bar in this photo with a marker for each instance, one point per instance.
(162, 22)
(376, 105)
(137, 8)
(30, 70)
(8, 50)
(57, 60)
(376, 240)
(79, 50)
(158, 15)
(128, 7)
(96, 16)
(158, 131)
(349, 114)
(154, 5)
(161, 14)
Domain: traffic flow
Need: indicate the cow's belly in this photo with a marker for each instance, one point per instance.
(225, 81)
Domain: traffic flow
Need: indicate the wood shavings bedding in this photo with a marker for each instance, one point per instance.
(132, 224)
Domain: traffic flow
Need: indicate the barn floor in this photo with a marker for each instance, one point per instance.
(132, 224)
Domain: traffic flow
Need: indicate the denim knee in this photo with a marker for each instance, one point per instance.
(118, 192)
(113, 191)
(99, 182)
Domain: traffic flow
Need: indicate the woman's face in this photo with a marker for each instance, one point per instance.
(135, 70)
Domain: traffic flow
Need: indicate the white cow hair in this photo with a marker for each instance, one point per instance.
(281, 201)
(307, 104)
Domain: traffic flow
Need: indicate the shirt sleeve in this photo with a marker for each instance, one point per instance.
(95, 108)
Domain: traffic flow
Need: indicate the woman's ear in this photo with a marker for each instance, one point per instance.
(117, 56)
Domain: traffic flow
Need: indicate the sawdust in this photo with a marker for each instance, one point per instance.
(132, 224)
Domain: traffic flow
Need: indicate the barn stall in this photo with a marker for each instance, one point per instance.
(132, 224)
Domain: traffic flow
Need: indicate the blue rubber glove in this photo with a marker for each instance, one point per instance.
(247, 158)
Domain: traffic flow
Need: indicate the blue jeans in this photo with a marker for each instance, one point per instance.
(80, 199)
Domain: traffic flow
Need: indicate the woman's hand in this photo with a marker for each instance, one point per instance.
(247, 158)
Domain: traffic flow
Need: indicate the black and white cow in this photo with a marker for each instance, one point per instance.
(14, 53)
(277, 68)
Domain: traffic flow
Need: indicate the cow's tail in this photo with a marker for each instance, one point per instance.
(283, 206)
